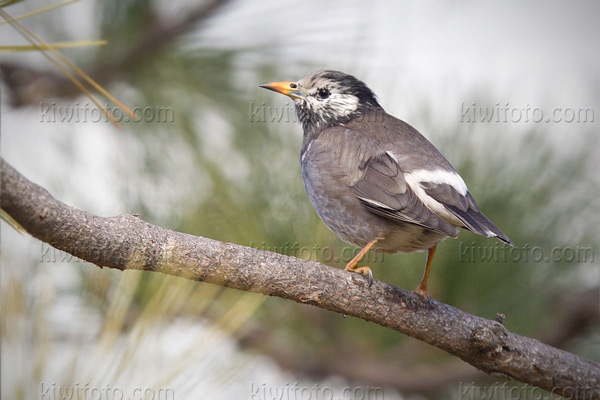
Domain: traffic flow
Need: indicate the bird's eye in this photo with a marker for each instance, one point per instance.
(323, 93)
(293, 86)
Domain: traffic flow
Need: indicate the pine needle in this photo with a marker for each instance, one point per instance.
(42, 46)
(11, 222)
(35, 12)
(57, 45)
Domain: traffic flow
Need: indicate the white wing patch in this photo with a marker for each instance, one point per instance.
(389, 153)
(437, 176)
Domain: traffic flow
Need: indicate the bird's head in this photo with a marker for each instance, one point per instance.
(327, 98)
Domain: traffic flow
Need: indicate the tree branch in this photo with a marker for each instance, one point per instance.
(575, 316)
(127, 242)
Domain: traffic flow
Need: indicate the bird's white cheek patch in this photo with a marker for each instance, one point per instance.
(342, 105)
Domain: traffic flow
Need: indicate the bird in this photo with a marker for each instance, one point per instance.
(372, 178)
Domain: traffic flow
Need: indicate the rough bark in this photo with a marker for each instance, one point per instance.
(575, 316)
(127, 242)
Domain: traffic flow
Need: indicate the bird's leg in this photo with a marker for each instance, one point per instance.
(422, 288)
(366, 271)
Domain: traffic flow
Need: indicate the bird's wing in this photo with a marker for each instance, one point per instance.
(403, 177)
(432, 178)
(435, 199)
(383, 190)
(463, 207)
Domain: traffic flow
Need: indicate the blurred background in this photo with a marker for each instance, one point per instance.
(509, 92)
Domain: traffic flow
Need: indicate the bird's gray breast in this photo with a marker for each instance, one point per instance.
(327, 177)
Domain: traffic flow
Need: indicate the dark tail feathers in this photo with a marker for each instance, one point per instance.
(476, 222)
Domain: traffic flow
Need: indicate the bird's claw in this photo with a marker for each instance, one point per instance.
(423, 293)
(365, 271)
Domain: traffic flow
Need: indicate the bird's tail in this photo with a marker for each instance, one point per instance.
(475, 221)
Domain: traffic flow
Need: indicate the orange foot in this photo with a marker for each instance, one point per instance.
(366, 271)
(422, 288)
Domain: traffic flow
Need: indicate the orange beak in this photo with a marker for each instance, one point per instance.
(290, 89)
